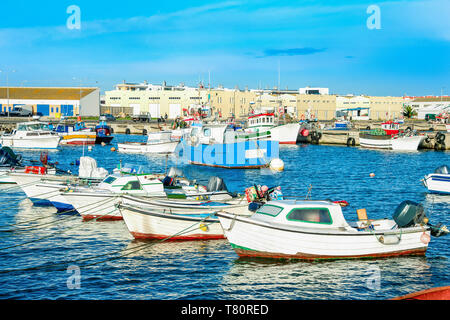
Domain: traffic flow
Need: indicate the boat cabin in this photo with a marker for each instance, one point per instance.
(390, 127)
(261, 120)
(32, 126)
(134, 184)
(212, 134)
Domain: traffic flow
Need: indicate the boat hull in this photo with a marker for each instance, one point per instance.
(91, 205)
(152, 224)
(252, 238)
(410, 143)
(78, 139)
(37, 142)
(164, 147)
(437, 183)
(240, 155)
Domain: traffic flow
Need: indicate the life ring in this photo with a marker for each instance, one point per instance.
(351, 142)
(441, 137)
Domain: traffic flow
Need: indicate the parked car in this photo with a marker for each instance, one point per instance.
(144, 117)
(108, 117)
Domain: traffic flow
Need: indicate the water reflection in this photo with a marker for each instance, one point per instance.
(343, 279)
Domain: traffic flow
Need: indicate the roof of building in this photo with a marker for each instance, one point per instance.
(44, 93)
(431, 99)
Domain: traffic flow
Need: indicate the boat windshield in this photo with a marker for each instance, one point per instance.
(270, 210)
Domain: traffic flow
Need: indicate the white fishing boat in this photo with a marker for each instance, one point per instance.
(313, 230)
(156, 223)
(157, 142)
(439, 181)
(263, 126)
(31, 135)
(389, 137)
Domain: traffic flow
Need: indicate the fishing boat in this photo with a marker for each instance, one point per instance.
(157, 142)
(219, 145)
(264, 126)
(31, 135)
(100, 202)
(439, 181)
(103, 131)
(439, 293)
(77, 134)
(43, 184)
(390, 137)
(155, 223)
(310, 230)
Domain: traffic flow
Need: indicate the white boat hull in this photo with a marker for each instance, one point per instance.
(262, 239)
(92, 205)
(151, 224)
(165, 147)
(437, 183)
(398, 144)
(78, 138)
(285, 134)
(37, 142)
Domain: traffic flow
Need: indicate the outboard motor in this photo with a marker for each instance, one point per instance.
(254, 206)
(442, 170)
(9, 158)
(216, 184)
(410, 213)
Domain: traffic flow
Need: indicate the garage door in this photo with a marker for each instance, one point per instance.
(174, 111)
(155, 110)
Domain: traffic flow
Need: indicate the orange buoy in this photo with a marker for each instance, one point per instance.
(372, 175)
(113, 149)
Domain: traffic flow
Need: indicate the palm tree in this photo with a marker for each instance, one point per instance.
(408, 111)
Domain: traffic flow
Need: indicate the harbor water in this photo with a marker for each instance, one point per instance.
(40, 262)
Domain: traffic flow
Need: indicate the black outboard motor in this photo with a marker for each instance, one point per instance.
(216, 184)
(8, 158)
(410, 213)
(442, 170)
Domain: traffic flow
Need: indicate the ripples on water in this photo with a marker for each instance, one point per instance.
(211, 269)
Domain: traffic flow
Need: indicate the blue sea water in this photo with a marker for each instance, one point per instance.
(34, 262)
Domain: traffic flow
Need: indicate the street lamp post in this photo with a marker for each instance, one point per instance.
(7, 88)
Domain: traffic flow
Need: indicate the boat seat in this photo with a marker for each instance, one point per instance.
(363, 220)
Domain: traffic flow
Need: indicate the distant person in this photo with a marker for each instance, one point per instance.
(165, 116)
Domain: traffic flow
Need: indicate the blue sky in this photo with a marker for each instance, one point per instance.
(315, 43)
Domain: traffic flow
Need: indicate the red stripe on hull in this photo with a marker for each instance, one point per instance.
(146, 236)
(301, 256)
(288, 142)
(102, 218)
(441, 293)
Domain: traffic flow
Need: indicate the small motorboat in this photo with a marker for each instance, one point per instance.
(439, 181)
(311, 230)
(31, 135)
(77, 134)
(157, 142)
(439, 293)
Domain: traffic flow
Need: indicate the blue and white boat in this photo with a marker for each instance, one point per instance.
(220, 145)
(439, 181)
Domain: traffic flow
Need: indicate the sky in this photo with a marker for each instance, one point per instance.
(342, 45)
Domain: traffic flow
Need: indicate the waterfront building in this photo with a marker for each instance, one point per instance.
(53, 102)
(430, 105)
(223, 103)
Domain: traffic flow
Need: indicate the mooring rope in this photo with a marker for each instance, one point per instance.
(130, 251)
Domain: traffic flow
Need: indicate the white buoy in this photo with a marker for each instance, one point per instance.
(277, 165)
(90, 148)
(103, 144)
